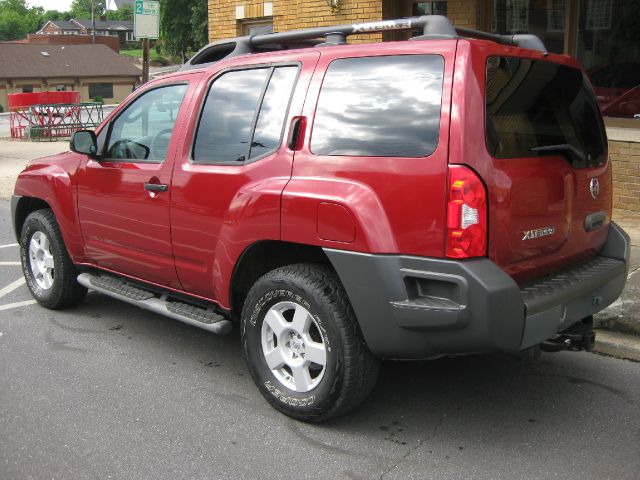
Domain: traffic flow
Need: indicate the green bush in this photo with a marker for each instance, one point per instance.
(1, 109)
(98, 99)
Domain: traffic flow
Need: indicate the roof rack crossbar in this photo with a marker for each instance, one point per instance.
(433, 26)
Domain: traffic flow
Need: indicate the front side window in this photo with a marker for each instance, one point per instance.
(380, 107)
(143, 130)
(243, 115)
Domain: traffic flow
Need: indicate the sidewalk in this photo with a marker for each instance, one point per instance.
(14, 155)
(624, 314)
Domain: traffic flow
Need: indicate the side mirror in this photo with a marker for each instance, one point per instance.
(84, 141)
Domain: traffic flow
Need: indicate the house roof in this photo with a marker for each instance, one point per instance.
(105, 24)
(63, 25)
(26, 60)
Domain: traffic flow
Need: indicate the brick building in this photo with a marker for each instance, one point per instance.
(603, 34)
(110, 41)
(122, 29)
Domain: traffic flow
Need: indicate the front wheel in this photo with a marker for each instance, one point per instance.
(303, 345)
(47, 268)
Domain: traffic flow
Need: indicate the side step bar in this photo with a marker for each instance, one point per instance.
(116, 287)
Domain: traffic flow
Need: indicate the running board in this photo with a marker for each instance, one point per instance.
(116, 287)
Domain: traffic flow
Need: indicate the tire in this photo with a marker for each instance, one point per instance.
(297, 318)
(48, 270)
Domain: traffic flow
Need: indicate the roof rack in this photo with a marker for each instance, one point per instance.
(433, 26)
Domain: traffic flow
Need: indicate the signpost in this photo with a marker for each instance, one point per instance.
(146, 25)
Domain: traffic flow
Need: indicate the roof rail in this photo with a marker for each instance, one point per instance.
(433, 26)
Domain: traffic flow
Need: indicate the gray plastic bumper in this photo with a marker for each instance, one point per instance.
(412, 307)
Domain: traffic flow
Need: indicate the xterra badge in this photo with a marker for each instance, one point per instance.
(538, 232)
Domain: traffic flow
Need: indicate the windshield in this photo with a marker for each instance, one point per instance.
(533, 103)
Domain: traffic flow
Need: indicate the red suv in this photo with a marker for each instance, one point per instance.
(342, 203)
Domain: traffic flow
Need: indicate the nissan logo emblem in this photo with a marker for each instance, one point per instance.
(594, 187)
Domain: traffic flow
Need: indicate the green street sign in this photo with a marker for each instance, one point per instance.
(146, 19)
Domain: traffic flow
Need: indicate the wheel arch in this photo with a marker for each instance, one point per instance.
(262, 257)
(21, 207)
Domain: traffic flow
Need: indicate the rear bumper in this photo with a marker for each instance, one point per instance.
(413, 307)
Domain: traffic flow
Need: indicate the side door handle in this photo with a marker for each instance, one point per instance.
(296, 133)
(156, 187)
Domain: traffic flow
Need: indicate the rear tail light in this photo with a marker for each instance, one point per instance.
(466, 214)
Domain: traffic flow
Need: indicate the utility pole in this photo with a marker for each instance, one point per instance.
(93, 22)
(145, 60)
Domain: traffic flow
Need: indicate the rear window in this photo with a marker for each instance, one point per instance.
(536, 108)
(385, 106)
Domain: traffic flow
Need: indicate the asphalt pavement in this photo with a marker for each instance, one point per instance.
(106, 390)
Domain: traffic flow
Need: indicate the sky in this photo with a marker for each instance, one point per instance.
(60, 5)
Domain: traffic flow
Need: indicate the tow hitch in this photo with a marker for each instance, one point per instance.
(579, 336)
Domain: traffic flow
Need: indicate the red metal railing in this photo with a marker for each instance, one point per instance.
(50, 115)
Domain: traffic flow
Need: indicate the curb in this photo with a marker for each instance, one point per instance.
(617, 345)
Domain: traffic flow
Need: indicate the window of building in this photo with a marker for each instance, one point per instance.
(143, 130)
(241, 119)
(424, 8)
(104, 90)
(27, 89)
(61, 87)
(609, 49)
(599, 14)
(429, 8)
(256, 27)
(542, 18)
(380, 106)
(555, 15)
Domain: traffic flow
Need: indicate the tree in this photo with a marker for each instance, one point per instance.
(16, 19)
(82, 8)
(12, 26)
(200, 24)
(125, 12)
(183, 26)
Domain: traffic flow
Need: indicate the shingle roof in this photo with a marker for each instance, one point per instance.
(106, 24)
(24, 60)
(65, 24)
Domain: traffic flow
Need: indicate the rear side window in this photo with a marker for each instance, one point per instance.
(536, 108)
(380, 106)
(243, 115)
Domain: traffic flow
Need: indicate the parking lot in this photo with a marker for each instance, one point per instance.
(106, 390)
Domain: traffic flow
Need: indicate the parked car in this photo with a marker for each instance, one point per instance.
(343, 204)
(617, 88)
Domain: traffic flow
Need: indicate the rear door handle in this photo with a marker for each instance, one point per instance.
(156, 187)
(296, 133)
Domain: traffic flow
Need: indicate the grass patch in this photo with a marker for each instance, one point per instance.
(155, 56)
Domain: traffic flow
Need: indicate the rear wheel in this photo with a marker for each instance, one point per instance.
(47, 268)
(303, 345)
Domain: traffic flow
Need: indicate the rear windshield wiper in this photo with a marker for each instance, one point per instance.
(567, 148)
